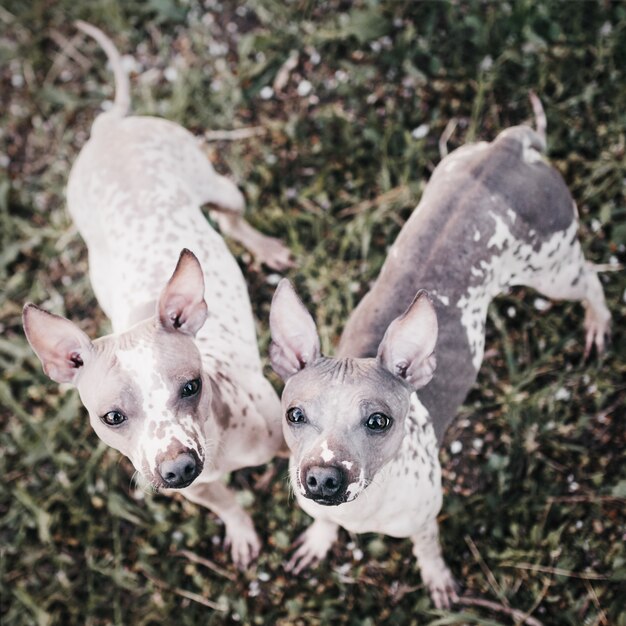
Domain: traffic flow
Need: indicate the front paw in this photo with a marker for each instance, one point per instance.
(441, 585)
(243, 542)
(597, 330)
(275, 254)
(313, 545)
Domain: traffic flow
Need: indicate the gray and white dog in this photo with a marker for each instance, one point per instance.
(178, 387)
(364, 446)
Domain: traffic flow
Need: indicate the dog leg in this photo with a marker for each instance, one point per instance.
(227, 210)
(268, 250)
(573, 278)
(240, 534)
(435, 573)
(313, 545)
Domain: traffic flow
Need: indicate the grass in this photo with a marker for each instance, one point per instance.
(533, 517)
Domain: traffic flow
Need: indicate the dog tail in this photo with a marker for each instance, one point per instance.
(540, 119)
(121, 104)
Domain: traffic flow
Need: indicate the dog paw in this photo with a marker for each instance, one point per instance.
(312, 546)
(243, 542)
(274, 253)
(597, 329)
(441, 585)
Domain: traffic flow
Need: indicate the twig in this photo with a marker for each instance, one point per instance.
(491, 579)
(608, 267)
(282, 76)
(445, 136)
(192, 556)
(556, 571)
(546, 586)
(194, 597)
(586, 498)
(234, 135)
(67, 50)
(514, 613)
(602, 618)
(393, 195)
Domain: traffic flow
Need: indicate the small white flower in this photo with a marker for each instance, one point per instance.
(541, 304)
(254, 588)
(486, 64)
(456, 447)
(606, 29)
(562, 394)
(130, 64)
(304, 88)
(266, 93)
(170, 73)
(420, 132)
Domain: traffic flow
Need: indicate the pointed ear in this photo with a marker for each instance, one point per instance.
(60, 345)
(295, 343)
(181, 304)
(407, 349)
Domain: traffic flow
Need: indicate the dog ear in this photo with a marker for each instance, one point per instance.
(181, 305)
(407, 349)
(60, 345)
(295, 342)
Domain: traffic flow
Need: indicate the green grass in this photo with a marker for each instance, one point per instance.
(533, 517)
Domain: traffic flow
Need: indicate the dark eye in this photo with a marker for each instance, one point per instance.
(190, 388)
(378, 422)
(113, 418)
(296, 415)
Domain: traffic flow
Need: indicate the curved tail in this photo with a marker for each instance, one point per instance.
(540, 117)
(121, 104)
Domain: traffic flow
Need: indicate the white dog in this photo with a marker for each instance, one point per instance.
(178, 387)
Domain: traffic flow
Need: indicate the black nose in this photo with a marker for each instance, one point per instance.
(324, 482)
(180, 471)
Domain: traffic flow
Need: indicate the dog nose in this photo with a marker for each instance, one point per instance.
(180, 471)
(324, 482)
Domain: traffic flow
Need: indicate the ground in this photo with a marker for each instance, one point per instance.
(340, 107)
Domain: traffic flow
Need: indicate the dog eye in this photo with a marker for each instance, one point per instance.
(296, 415)
(190, 388)
(113, 418)
(378, 422)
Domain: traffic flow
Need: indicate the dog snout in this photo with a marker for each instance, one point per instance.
(180, 471)
(325, 484)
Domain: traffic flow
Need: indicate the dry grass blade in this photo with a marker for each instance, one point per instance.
(499, 608)
(194, 597)
(195, 558)
(486, 571)
(556, 571)
(238, 134)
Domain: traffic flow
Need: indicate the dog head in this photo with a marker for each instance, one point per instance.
(344, 418)
(145, 389)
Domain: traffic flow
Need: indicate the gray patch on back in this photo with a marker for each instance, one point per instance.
(447, 247)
